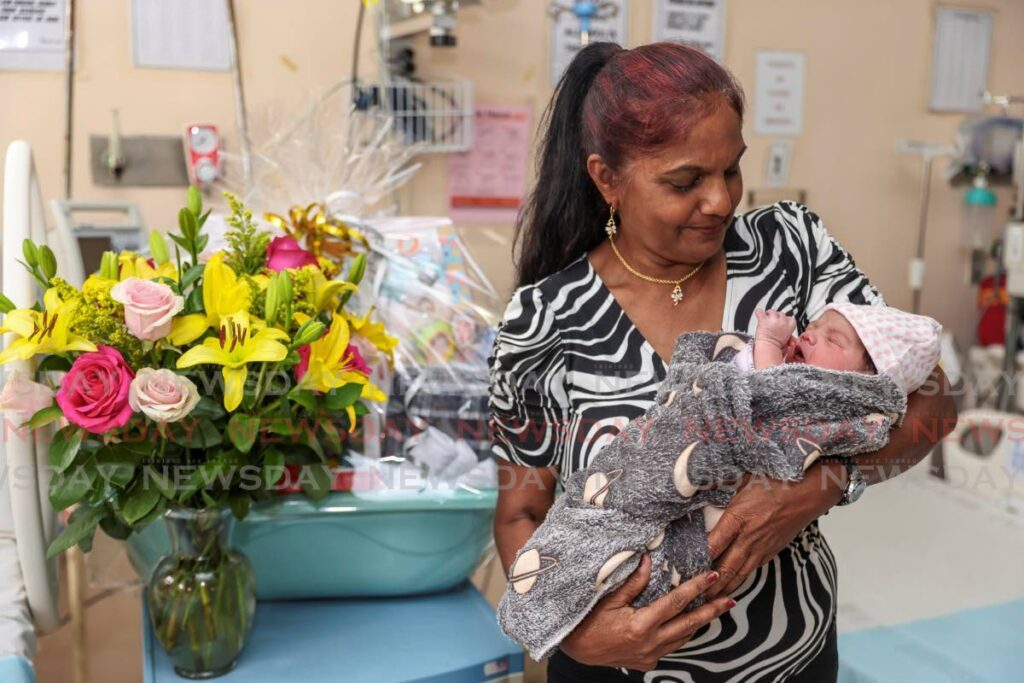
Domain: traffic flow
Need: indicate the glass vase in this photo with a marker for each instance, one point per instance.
(201, 596)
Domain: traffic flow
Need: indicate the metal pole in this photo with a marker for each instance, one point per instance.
(240, 114)
(69, 82)
(922, 224)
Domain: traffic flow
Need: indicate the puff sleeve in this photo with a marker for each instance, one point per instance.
(527, 396)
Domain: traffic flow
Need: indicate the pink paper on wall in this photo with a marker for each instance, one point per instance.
(487, 183)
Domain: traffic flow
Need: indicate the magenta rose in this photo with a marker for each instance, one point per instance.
(94, 393)
(285, 252)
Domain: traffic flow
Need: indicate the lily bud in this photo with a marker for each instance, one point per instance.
(310, 331)
(47, 262)
(31, 253)
(158, 248)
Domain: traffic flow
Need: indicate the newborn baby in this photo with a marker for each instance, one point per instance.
(715, 417)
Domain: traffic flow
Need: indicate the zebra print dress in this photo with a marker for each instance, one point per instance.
(569, 369)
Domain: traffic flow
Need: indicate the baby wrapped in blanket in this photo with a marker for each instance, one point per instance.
(728, 406)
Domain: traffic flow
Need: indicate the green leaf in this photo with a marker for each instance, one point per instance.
(202, 219)
(64, 447)
(282, 426)
(194, 301)
(154, 514)
(180, 241)
(360, 408)
(45, 417)
(53, 364)
(81, 526)
(6, 305)
(116, 464)
(239, 503)
(199, 434)
(273, 467)
(243, 430)
(304, 397)
(316, 481)
(140, 500)
(208, 409)
(201, 242)
(191, 275)
(115, 528)
(342, 397)
(332, 437)
(71, 486)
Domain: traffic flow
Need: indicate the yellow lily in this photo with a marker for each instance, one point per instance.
(325, 292)
(331, 367)
(373, 333)
(46, 332)
(224, 294)
(132, 265)
(239, 343)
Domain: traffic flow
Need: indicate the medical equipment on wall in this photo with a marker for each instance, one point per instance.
(202, 153)
(437, 114)
(585, 12)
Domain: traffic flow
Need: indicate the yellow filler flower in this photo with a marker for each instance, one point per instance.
(46, 332)
(224, 294)
(237, 344)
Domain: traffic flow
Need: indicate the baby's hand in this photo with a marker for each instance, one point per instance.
(774, 328)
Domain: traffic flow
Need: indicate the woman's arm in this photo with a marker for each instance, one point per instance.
(524, 496)
(765, 515)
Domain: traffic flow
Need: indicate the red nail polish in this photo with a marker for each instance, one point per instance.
(712, 577)
(731, 603)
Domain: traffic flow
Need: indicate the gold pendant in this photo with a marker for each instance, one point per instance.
(677, 295)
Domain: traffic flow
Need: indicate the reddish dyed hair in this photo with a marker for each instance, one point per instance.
(619, 104)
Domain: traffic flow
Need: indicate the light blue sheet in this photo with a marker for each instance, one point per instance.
(983, 645)
(16, 670)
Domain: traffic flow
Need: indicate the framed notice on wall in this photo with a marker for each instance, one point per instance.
(32, 35)
(698, 23)
(487, 183)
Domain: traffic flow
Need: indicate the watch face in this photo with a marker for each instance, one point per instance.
(856, 486)
(202, 140)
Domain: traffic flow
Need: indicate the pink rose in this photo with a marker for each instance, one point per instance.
(23, 397)
(285, 252)
(148, 307)
(162, 395)
(94, 393)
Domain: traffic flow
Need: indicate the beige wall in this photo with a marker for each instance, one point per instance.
(866, 87)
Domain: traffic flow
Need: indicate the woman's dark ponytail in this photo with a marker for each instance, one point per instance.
(619, 104)
(562, 217)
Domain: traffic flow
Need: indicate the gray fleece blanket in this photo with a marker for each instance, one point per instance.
(645, 491)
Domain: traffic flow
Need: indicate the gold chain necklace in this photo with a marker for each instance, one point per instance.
(677, 291)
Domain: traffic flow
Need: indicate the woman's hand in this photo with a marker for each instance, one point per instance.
(763, 517)
(617, 635)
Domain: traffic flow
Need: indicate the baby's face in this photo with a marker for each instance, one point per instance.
(831, 342)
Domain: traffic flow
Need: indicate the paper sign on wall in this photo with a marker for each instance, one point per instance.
(184, 34)
(609, 26)
(487, 183)
(780, 93)
(32, 35)
(699, 23)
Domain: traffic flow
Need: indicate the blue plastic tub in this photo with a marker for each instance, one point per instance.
(370, 545)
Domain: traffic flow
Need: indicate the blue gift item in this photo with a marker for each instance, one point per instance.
(370, 544)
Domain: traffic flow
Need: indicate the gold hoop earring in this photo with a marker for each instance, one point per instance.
(610, 225)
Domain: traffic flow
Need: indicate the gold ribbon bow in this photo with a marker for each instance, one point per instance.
(322, 234)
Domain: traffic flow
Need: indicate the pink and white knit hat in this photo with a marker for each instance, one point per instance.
(902, 345)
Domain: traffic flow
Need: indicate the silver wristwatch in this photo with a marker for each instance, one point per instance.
(855, 481)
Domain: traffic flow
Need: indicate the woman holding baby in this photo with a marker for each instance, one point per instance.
(630, 239)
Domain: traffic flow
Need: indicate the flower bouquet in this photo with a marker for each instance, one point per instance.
(185, 390)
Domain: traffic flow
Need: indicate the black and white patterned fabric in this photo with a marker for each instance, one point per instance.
(569, 370)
